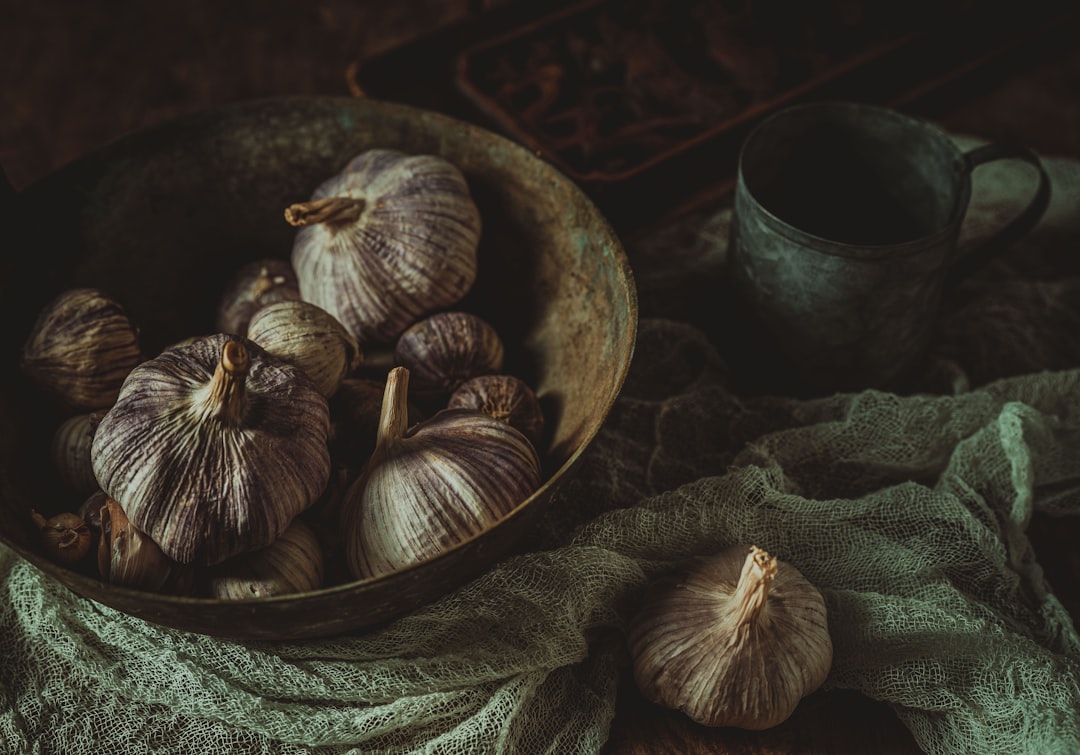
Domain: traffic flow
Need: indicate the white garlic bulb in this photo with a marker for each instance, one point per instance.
(291, 564)
(308, 337)
(737, 639)
(214, 447)
(425, 491)
(387, 240)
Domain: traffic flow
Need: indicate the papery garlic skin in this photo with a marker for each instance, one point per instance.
(81, 348)
(504, 397)
(129, 557)
(387, 240)
(291, 564)
(738, 639)
(66, 537)
(214, 447)
(447, 348)
(70, 451)
(424, 492)
(308, 337)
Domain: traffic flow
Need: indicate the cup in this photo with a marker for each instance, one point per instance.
(844, 240)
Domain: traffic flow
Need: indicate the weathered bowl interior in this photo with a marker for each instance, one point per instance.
(161, 218)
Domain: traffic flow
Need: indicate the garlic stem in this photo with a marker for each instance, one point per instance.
(394, 416)
(331, 211)
(756, 578)
(227, 397)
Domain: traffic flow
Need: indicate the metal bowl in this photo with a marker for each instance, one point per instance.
(160, 219)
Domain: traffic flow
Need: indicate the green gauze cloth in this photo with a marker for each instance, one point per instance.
(908, 513)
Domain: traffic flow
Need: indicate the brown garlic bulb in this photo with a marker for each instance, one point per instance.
(736, 639)
(70, 449)
(308, 337)
(65, 537)
(291, 564)
(446, 349)
(430, 488)
(388, 239)
(81, 348)
(214, 447)
(504, 397)
(255, 285)
(354, 419)
(127, 556)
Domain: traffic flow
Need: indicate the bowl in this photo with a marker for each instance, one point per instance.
(161, 218)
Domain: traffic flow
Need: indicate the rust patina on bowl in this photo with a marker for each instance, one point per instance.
(161, 218)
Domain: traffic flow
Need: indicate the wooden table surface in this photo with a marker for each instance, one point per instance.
(78, 74)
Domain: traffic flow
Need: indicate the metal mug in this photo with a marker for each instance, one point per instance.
(844, 239)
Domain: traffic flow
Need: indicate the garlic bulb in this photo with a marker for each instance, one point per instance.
(308, 337)
(293, 563)
(127, 556)
(70, 449)
(504, 397)
(424, 491)
(81, 348)
(255, 285)
(388, 239)
(213, 448)
(736, 640)
(65, 537)
(446, 349)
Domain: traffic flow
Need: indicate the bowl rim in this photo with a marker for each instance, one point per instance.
(109, 151)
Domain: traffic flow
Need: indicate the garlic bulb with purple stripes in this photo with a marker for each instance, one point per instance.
(387, 240)
(431, 487)
(213, 447)
(81, 348)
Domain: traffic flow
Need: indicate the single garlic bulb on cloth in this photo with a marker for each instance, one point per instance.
(736, 639)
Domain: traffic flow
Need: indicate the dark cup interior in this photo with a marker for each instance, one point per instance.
(855, 174)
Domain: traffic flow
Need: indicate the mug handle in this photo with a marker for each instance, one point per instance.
(974, 259)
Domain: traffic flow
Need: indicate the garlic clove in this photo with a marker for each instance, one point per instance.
(387, 240)
(65, 537)
(504, 397)
(70, 451)
(308, 337)
(255, 285)
(127, 556)
(291, 564)
(446, 349)
(427, 490)
(81, 348)
(735, 639)
(214, 447)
